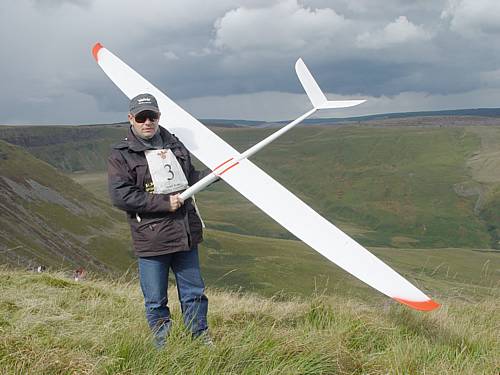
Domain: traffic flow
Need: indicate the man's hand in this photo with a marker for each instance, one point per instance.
(175, 202)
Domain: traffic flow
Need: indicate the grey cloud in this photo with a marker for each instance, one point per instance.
(244, 50)
(471, 17)
(398, 32)
(284, 26)
(58, 3)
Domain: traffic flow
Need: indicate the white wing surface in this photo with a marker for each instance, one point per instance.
(266, 193)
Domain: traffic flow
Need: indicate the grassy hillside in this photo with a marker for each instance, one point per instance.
(395, 186)
(47, 219)
(52, 325)
(68, 148)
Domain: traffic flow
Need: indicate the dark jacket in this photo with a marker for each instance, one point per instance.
(159, 231)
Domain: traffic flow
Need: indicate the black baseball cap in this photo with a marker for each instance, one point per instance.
(143, 102)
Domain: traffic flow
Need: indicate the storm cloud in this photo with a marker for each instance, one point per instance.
(234, 59)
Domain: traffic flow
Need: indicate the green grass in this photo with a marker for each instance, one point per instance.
(52, 325)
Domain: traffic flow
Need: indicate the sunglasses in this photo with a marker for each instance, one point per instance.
(141, 117)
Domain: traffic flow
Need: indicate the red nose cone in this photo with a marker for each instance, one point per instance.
(95, 50)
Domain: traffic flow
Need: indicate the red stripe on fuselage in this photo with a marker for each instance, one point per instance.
(219, 166)
(228, 168)
(227, 161)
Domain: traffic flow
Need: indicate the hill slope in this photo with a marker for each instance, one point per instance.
(47, 219)
(392, 185)
(67, 148)
(52, 325)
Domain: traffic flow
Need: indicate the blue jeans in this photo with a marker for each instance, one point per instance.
(153, 274)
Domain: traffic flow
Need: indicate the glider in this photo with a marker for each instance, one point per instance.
(262, 190)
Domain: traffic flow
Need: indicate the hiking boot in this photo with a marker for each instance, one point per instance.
(206, 339)
(160, 334)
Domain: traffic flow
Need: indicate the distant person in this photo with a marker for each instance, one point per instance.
(79, 274)
(146, 172)
(41, 269)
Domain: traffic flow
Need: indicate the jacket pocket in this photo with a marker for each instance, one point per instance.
(160, 234)
(144, 233)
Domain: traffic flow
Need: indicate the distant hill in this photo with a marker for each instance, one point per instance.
(475, 112)
(411, 182)
(230, 123)
(68, 148)
(472, 112)
(47, 219)
(405, 186)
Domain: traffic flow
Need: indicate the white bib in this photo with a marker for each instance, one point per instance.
(166, 172)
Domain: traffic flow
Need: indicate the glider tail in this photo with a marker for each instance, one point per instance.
(316, 96)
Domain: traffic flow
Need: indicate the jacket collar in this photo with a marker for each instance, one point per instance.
(135, 145)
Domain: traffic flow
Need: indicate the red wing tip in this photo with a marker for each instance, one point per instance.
(95, 50)
(420, 305)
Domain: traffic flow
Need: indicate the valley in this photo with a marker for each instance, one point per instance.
(422, 198)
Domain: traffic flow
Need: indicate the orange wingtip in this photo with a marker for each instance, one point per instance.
(420, 305)
(95, 50)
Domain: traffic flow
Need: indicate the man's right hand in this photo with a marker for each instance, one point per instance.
(175, 202)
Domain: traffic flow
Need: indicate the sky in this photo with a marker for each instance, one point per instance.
(230, 59)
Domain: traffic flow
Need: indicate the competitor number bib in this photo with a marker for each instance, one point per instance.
(166, 172)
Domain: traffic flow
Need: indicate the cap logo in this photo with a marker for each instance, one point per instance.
(143, 102)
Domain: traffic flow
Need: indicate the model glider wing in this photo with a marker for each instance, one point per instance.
(265, 192)
(200, 141)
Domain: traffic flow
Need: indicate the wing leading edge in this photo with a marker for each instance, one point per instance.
(266, 193)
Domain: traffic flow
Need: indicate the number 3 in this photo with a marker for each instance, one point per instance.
(169, 171)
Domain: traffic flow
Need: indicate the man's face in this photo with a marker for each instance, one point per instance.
(145, 123)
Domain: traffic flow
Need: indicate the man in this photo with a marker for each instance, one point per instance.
(146, 172)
